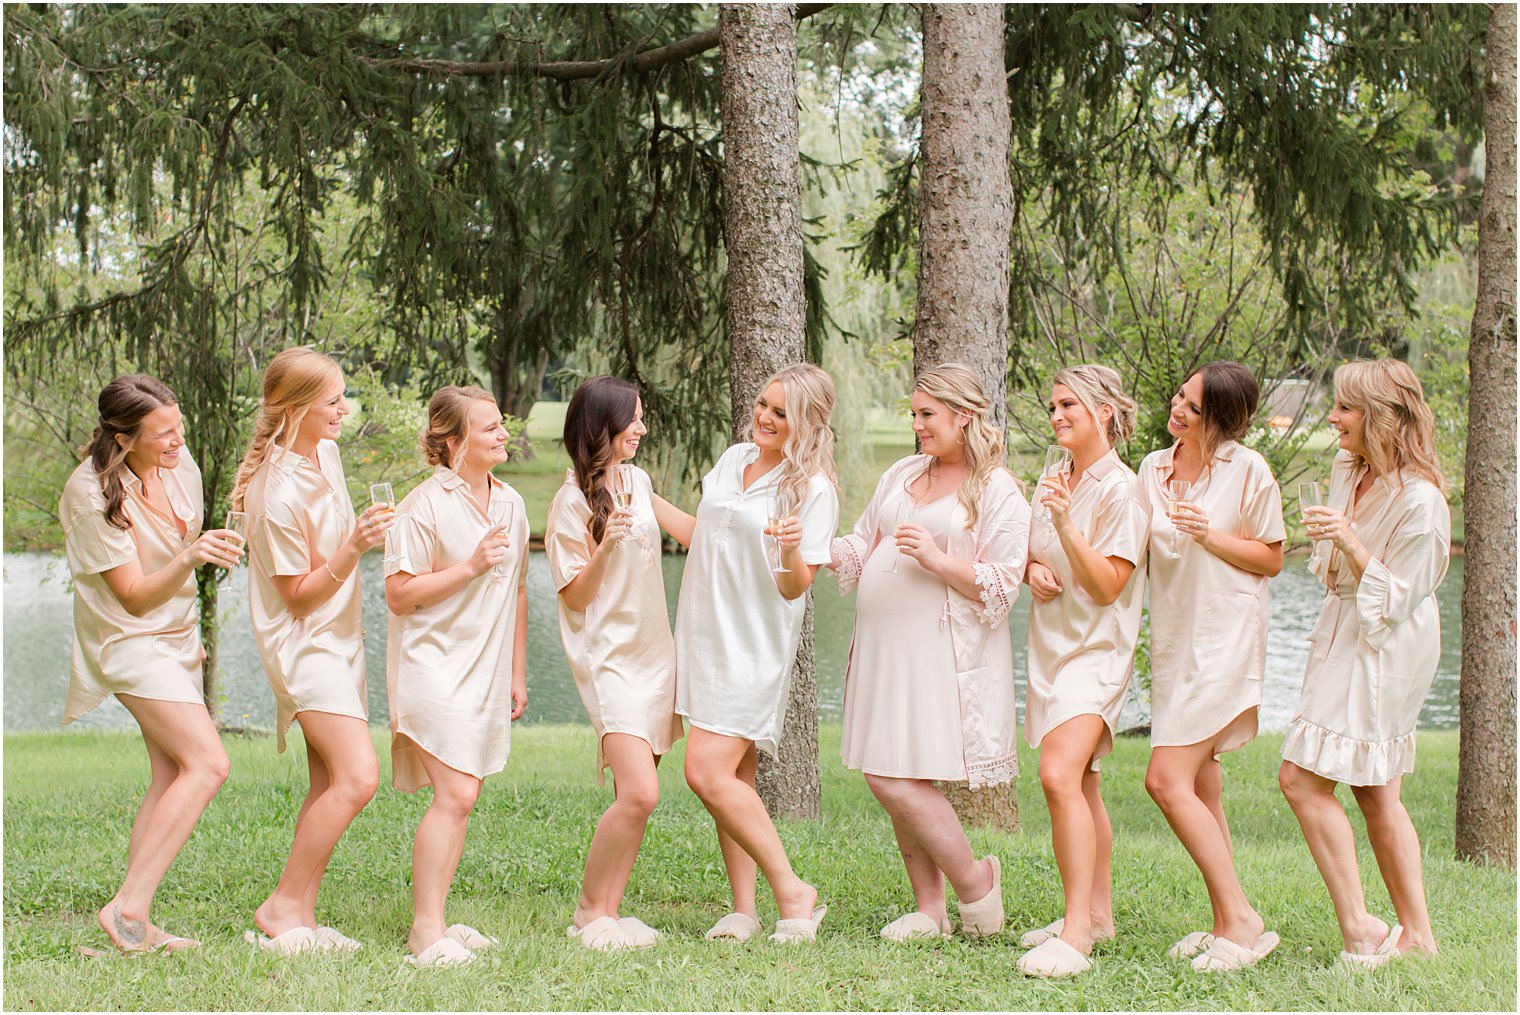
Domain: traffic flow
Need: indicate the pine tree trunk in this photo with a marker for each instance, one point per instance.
(1486, 766)
(762, 224)
(206, 595)
(965, 213)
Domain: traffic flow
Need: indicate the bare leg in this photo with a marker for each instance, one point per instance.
(1172, 781)
(1209, 787)
(927, 879)
(182, 736)
(1328, 835)
(713, 764)
(1397, 849)
(344, 744)
(1102, 907)
(319, 780)
(1065, 755)
(437, 847)
(620, 832)
(916, 805)
(742, 872)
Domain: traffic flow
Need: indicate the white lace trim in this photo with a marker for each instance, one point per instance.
(848, 572)
(996, 602)
(994, 772)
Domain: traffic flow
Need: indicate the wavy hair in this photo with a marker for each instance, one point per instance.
(293, 381)
(449, 419)
(1095, 384)
(809, 448)
(960, 390)
(1230, 396)
(1398, 428)
(122, 406)
(600, 409)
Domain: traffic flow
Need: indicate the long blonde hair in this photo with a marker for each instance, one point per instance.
(293, 381)
(1398, 428)
(1095, 384)
(960, 390)
(449, 419)
(809, 448)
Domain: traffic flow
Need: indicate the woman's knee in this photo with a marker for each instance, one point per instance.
(1061, 781)
(1378, 804)
(1166, 786)
(1299, 786)
(457, 797)
(639, 797)
(355, 786)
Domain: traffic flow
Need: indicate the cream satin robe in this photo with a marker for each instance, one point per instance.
(299, 514)
(155, 656)
(449, 666)
(1209, 617)
(736, 637)
(620, 649)
(1374, 651)
(1081, 654)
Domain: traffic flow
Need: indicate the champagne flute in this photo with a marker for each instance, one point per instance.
(501, 514)
(1177, 491)
(381, 493)
(776, 510)
(1310, 495)
(237, 521)
(906, 509)
(622, 491)
(1057, 463)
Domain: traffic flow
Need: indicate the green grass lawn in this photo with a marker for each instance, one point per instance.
(70, 796)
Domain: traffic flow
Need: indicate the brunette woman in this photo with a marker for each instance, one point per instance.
(303, 593)
(605, 560)
(131, 516)
(1216, 536)
(938, 555)
(1085, 554)
(1382, 543)
(456, 665)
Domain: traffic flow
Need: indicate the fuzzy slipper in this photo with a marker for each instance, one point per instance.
(1054, 958)
(1224, 955)
(799, 930)
(914, 926)
(293, 942)
(602, 934)
(443, 952)
(1386, 951)
(330, 939)
(733, 927)
(639, 933)
(471, 938)
(1035, 938)
(984, 917)
(1187, 947)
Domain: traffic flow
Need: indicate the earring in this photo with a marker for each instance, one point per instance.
(963, 436)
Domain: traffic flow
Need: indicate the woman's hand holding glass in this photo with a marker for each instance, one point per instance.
(1323, 523)
(1055, 495)
(619, 526)
(491, 549)
(373, 523)
(1190, 519)
(913, 540)
(222, 547)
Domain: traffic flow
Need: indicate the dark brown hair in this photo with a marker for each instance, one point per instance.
(600, 409)
(122, 405)
(1230, 395)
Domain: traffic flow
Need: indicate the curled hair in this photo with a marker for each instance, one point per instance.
(960, 390)
(809, 447)
(293, 382)
(449, 419)
(1095, 385)
(122, 404)
(1230, 395)
(600, 409)
(1398, 428)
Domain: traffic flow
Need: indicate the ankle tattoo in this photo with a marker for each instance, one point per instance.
(131, 932)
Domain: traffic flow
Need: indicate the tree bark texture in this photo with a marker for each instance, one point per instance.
(762, 225)
(965, 214)
(965, 197)
(1485, 829)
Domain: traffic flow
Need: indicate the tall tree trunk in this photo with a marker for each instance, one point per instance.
(965, 212)
(206, 596)
(1486, 766)
(762, 224)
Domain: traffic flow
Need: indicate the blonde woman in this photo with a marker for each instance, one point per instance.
(605, 561)
(1086, 552)
(1382, 544)
(456, 660)
(739, 622)
(303, 593)
(1209, 562)
(131, 516)
(937, 556)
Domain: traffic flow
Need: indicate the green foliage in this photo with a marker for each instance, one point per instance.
(70, 798)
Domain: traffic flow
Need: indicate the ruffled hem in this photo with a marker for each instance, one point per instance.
(847, 574)
(994, 772)
(996, 602)
(1345, 759)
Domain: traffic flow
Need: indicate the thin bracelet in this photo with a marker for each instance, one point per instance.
(332, 573)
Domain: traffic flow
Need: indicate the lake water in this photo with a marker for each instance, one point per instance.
(38, 621)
